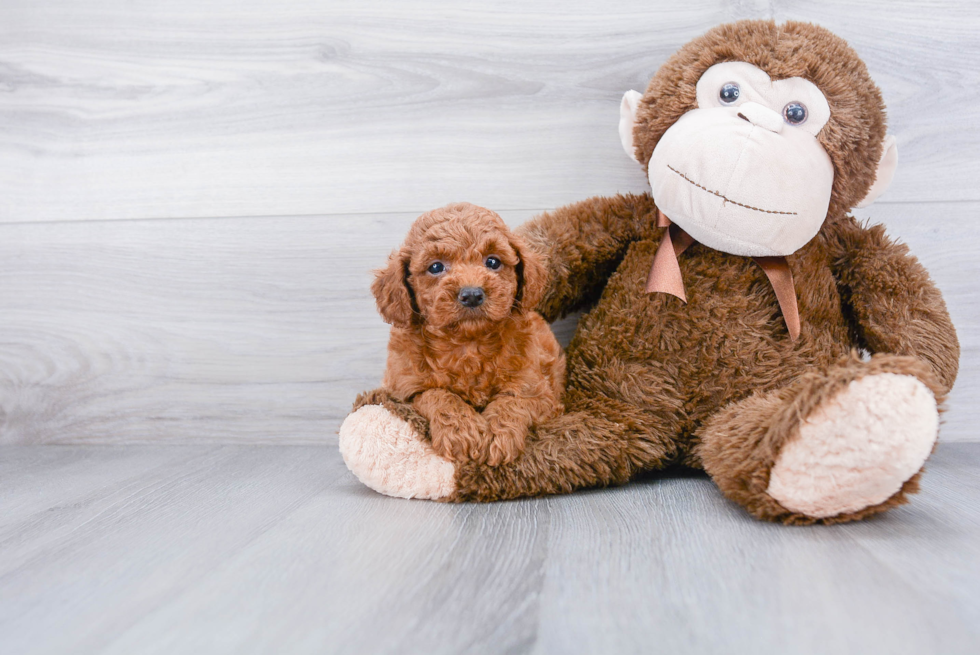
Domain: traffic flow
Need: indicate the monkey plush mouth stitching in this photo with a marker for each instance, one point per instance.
(765, 211)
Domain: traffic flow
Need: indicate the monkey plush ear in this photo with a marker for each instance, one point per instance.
(393, 293)
(531, 276)
(886, 171)
(627, 118)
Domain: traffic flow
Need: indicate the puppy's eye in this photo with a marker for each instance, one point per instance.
(492, 263)
(436, 268)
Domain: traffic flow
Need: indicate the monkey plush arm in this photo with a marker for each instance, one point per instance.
(583, 243)
(894, 305)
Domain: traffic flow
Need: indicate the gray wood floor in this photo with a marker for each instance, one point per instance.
(238, 549)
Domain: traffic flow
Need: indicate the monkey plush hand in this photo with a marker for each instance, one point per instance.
(742, 322)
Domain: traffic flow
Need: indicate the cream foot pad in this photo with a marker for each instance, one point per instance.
(857, 450)
(388, 456)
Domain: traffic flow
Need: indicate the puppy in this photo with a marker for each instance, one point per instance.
(467, 348)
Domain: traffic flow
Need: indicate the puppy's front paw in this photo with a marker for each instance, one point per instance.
(459, 438)
(506, 438)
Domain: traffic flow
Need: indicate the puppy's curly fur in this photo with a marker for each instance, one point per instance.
(481, 375)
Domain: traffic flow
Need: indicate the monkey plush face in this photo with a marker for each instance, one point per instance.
(743, 171)
(744, 156)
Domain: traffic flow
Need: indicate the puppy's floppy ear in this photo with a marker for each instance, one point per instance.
(392, 292)
(531, 276)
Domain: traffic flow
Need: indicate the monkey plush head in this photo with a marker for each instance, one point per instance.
(755, 133)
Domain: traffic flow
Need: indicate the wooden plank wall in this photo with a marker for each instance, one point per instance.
(192, 193)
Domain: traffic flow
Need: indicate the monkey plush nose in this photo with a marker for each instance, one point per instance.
(762, 116)
(471, 296)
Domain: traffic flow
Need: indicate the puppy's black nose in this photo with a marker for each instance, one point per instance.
(471, 296)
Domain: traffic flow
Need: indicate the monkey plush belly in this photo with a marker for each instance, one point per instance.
(728, 340)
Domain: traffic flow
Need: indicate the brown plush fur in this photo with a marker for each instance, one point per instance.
(717, 383)
(481, 376)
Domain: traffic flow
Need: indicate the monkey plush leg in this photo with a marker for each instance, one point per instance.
(598, 441)
(381, 444)
(831, 447)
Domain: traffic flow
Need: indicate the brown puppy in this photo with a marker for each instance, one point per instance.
(467, 348)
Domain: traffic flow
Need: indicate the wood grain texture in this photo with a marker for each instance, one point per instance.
(229, 330)
(279, 549)
(263, 330)
(158, 109)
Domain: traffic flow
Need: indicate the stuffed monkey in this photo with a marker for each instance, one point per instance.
(741, 321)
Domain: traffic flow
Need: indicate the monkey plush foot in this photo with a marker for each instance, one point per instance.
(387, 455)
(857, 449)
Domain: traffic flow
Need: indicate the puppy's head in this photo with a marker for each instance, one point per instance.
(459, 266)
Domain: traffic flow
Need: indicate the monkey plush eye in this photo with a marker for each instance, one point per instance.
(795, 113)
(492, 263)
(729, 93)
(436, 268)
